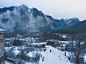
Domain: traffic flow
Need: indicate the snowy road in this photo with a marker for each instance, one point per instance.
(53, 57)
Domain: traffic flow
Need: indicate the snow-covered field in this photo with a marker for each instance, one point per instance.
(53, 57)
(29, 63)
(50, 56)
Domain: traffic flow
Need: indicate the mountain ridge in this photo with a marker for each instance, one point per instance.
(24, 20)
(76, 28)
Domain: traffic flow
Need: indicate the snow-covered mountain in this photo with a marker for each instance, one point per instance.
(72, 21)
(76, 28)
(56, 24)
(23, 20)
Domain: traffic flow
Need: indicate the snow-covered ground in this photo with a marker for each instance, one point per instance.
(7, 62)
(30, 54)
(85, 58)
(53, 57)
(29, 63)
(7, 48)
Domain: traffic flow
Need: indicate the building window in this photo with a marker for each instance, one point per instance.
(0, 40)
(1, 49)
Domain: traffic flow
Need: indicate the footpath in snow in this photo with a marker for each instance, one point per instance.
(53, 56)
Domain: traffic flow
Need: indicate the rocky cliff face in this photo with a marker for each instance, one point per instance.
(22, 19)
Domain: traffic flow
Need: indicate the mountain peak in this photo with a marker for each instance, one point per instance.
(35, 10)
(23, 5)
(72, 21)
(75, 18)
(6, 8)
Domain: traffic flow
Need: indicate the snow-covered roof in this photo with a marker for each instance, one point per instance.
(52, 40)
(2, 31)
(42, 43)
(30, 54)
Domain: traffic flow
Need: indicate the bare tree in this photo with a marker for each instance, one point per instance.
(77, 42)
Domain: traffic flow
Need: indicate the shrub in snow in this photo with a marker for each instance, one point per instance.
(9, 54)
(21, 55)
(17, 43)
(37, 57)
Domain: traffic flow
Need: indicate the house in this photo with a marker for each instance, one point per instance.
(38, 45)
(2, 46)
(53, 43)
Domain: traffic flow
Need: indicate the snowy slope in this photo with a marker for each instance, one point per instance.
(53, 57)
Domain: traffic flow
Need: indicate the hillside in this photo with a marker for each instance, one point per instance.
(78, 27)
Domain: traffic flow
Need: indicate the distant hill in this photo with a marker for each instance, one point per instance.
(78, 27)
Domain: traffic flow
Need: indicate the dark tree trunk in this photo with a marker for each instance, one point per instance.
(77, 59)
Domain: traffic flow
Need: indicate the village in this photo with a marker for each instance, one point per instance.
(30, 48)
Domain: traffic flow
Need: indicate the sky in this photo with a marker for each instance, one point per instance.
(56, 8)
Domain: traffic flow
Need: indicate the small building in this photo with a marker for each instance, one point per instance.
(2, 46)
(53, 43)
(38, 45)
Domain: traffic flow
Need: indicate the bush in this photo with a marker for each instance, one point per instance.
(17, 43)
